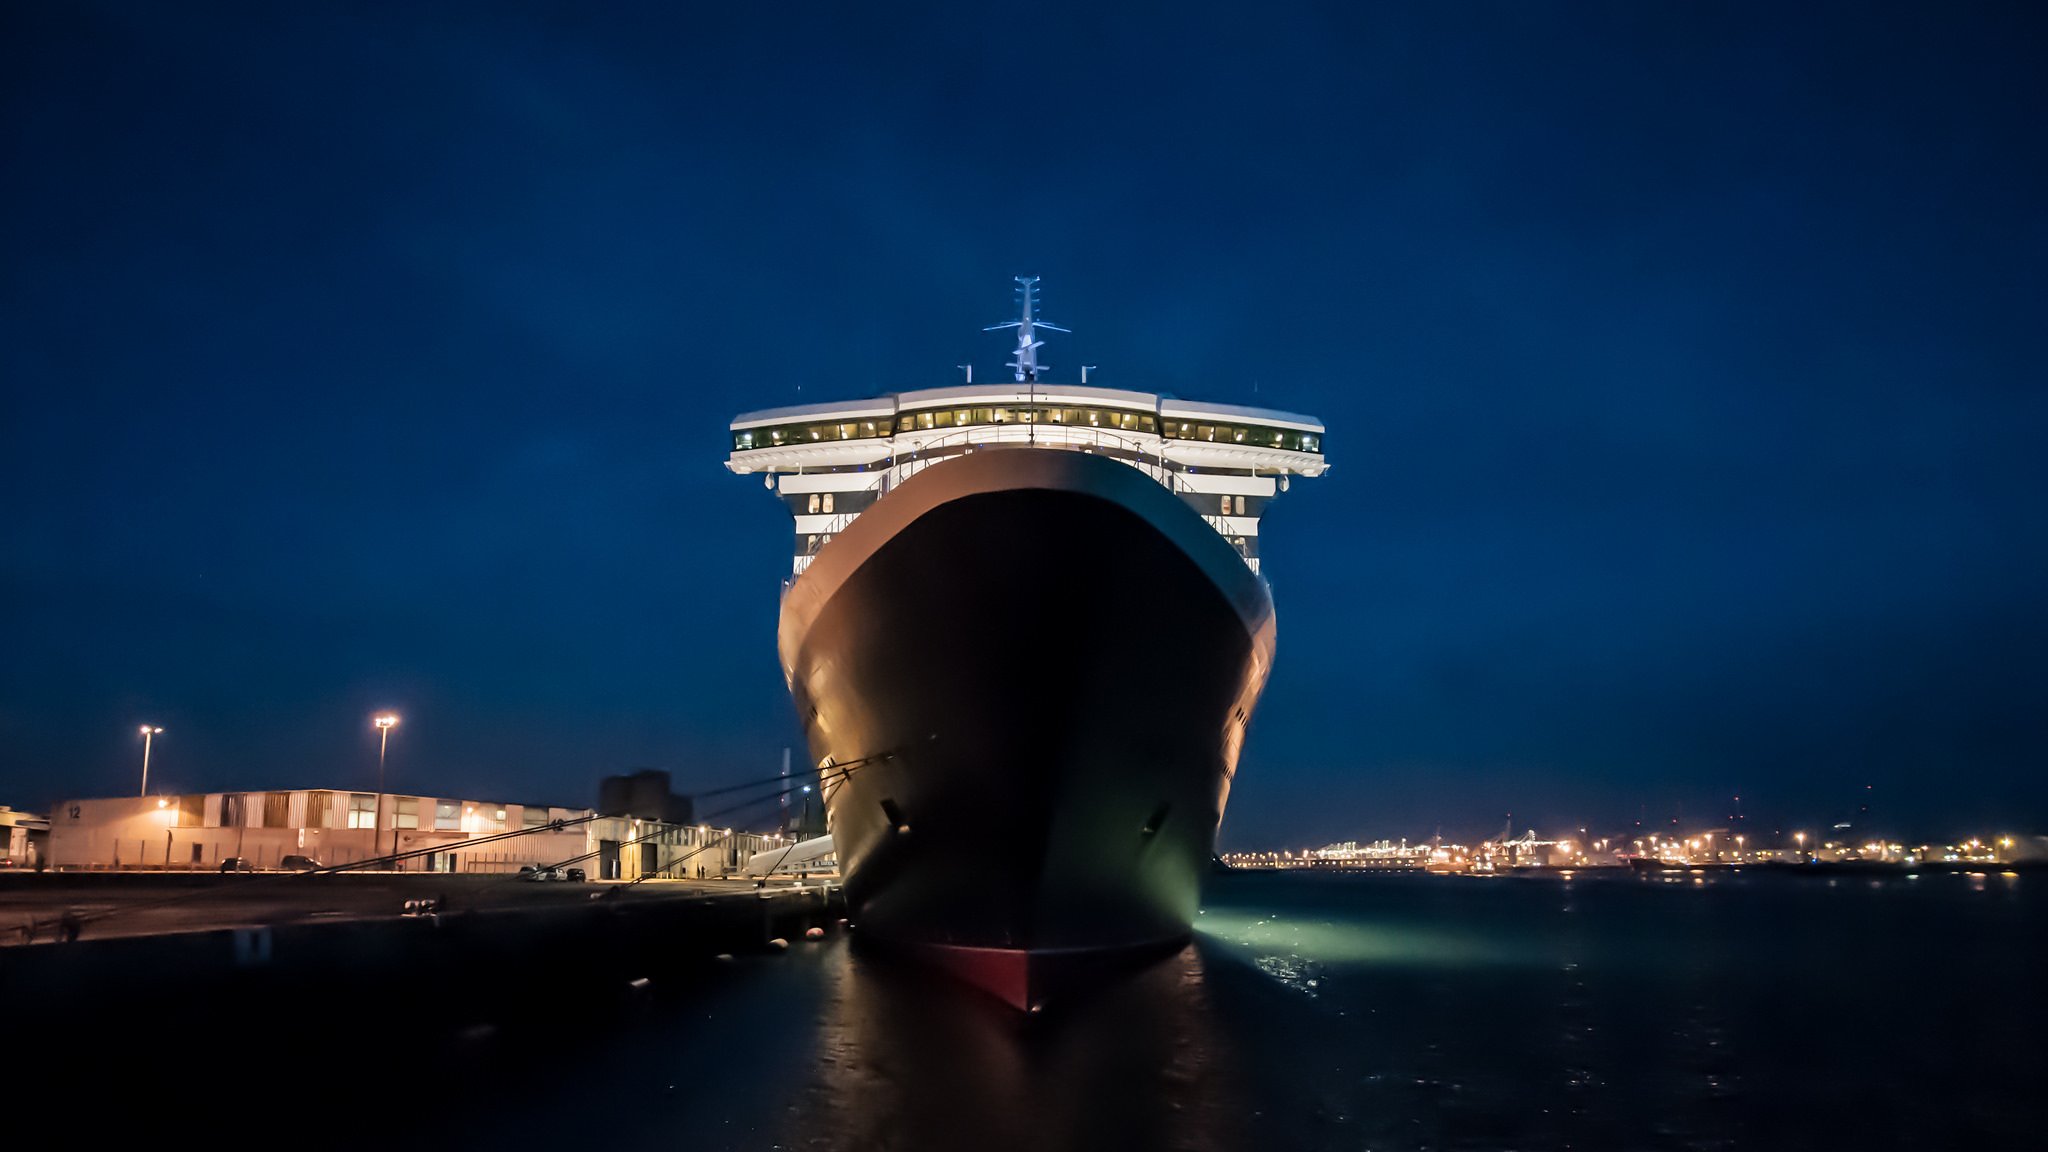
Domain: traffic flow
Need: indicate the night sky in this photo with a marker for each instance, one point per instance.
(1682, 363)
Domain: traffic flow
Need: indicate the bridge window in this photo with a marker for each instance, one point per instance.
(827, 504)
(1281, 438)
(810, 433)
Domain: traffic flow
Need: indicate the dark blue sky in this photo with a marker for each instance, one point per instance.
(1683, 366)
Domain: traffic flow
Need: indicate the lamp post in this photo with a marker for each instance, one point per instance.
(148, 733)
(385, 724)
(170, 818)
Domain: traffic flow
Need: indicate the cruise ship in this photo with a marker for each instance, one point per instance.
(1024, 630)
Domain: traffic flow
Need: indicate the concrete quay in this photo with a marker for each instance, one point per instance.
(144, 941)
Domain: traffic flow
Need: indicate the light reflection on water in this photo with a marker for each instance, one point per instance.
(905, 1062)
(1296, 950)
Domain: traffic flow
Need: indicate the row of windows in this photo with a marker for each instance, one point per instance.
(1113, 419)
(1250, 434)
(347, 810)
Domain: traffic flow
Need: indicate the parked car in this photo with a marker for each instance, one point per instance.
(299, 863)
(575, 875)
(236, 864)
(536, 872)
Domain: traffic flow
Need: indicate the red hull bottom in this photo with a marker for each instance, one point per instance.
(1027, 979)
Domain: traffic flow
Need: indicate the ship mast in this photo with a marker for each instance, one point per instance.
(1027, 323)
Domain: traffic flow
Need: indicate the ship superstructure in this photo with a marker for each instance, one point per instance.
(1033, 613)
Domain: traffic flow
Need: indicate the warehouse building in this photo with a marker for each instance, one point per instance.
(200, 831)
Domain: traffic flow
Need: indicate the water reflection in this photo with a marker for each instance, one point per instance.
(908, 1061)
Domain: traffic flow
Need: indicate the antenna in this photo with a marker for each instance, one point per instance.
(1084, 371)
(1026, 364)
(967, 368)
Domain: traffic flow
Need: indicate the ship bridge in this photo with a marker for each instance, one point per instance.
(830, 462)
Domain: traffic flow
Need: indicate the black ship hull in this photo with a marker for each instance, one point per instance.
(1037, 667)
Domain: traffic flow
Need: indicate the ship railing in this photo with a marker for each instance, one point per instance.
(1144, 455)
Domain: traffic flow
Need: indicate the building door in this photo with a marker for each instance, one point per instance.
(608, 859)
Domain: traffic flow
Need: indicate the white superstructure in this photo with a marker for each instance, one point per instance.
(830, 462)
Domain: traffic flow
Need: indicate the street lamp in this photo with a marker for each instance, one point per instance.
(147, 734)
(385, 724)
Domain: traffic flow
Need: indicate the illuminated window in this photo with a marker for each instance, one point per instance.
(963, 416)
(406, 812)
(1000, 415)
(826, 505)
(362, 810)
(812, 507)
(904, 423)
(1240, 505)
(924, 419)
(1226, 505)
(447, 816)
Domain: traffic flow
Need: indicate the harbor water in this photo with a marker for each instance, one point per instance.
(1602, 1010)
